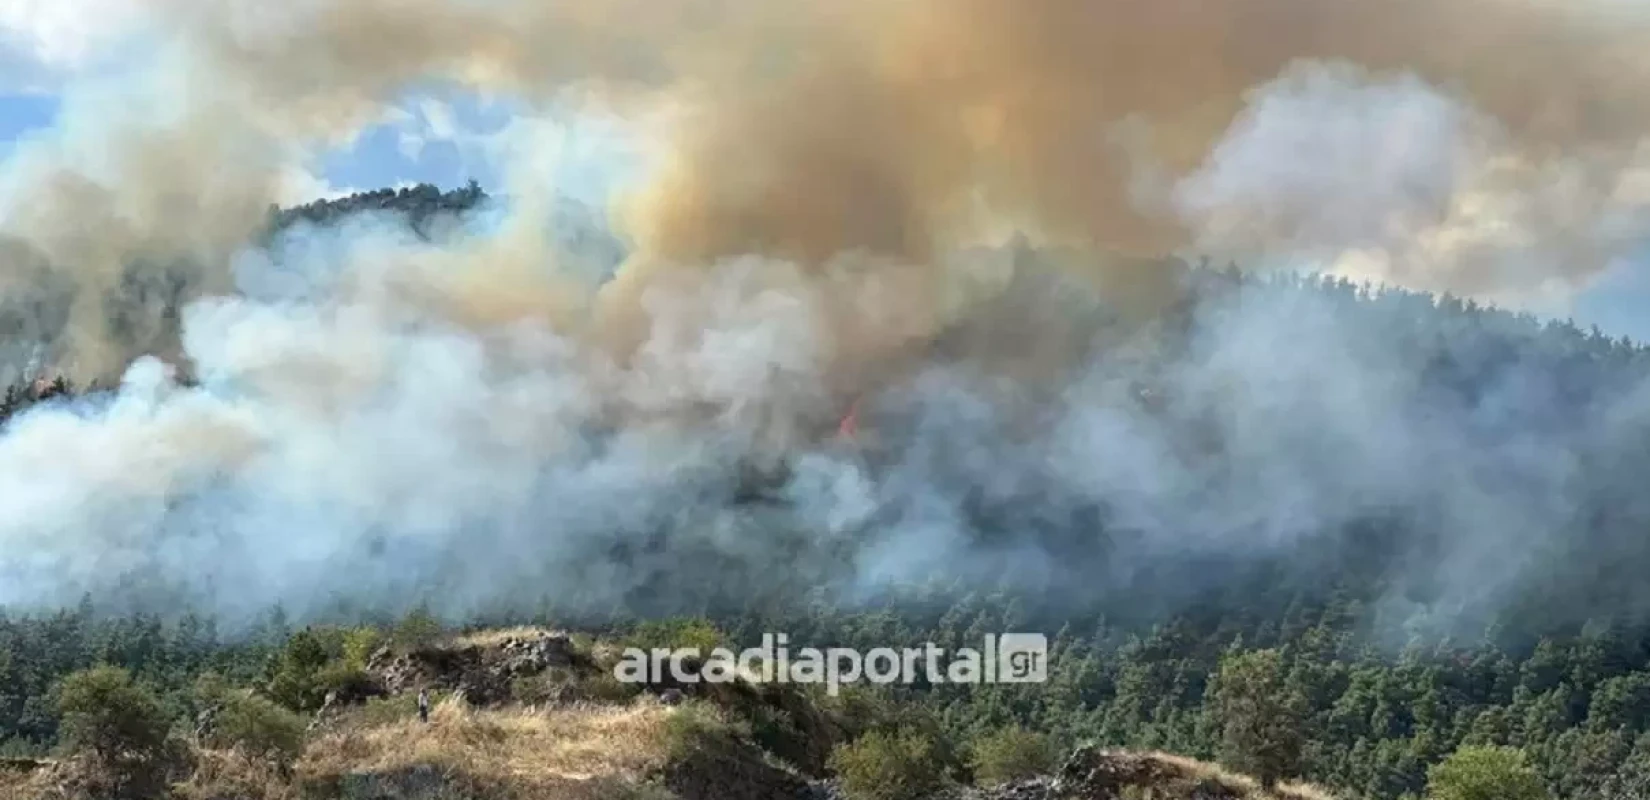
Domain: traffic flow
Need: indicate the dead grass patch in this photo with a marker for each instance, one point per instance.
(233, 773)
(1298, 790)
(495, 637)
(1247, 786)
(19, 784)
(574, 752)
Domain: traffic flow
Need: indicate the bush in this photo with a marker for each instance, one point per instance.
(378, 711)
(359, 645)
(1485, 773)
(106, 714)
(120, 731)
(257, 726)
(554, 685)
(536, 690)
(16, 747)
(860, 710)
(888, 766)
(418, 630)
(226, 774)
(698, 727)
(1012, 754)
(346, 679)
(678, 633)
(292, 673)
(605, 689)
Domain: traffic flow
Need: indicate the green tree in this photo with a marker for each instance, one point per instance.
(1632, 780)
(119, 726)
(293, 676)
(1484, 773)
(108, 715)
(417, 630)
(256, 725)
(359, 645)
(1258, 716)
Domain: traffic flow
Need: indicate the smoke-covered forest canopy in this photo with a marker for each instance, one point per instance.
(1265, 441)
(1423, 512)
(964, 233)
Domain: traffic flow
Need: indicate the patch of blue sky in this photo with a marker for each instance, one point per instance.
(21, 114)
(447, 136)
(1619, 301)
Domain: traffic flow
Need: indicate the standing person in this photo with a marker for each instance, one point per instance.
(424, 706)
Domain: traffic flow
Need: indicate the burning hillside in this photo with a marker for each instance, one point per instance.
(950, 217)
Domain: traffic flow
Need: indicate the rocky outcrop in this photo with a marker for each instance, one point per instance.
(1093, 773)
(481, 673)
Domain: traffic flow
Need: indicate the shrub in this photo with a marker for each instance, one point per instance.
(418, 630)
(380, 711)
(888, 766)
(1485, 773)
(106, 714)
(554, 685)
(360, 644)
(292, 673)
(17, 747)
(119, 728)
(861, 710)
(534, 690)
(605, 689)
(344, 678)
(678, 633)
(1011, 754)
(697, 727)
(257, 726)
(225, 774)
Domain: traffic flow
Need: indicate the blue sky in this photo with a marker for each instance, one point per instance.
(21, 113)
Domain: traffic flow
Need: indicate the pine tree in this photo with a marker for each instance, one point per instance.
(1259, 717)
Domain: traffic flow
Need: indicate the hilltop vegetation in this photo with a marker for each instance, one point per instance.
(415, 205)
(1305, 702)
(563, 728)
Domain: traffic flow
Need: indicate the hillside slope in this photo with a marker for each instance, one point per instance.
(564, 729)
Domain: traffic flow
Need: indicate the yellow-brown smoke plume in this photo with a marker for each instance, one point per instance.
(855, 132)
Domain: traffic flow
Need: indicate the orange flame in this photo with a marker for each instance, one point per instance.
(849, 428)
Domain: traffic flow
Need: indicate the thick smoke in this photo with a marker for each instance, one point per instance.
(805, 130)
(951, 207)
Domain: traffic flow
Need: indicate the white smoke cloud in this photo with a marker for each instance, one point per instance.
(45, 42)
(1387, 178)
(300, 185)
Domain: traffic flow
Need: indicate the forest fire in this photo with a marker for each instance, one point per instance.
(848, 429)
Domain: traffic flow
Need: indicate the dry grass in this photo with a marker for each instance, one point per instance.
(577, 752)
(1249, 787)
(1296, 790)
(231, 773)
(495, 637)
(18, 784)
